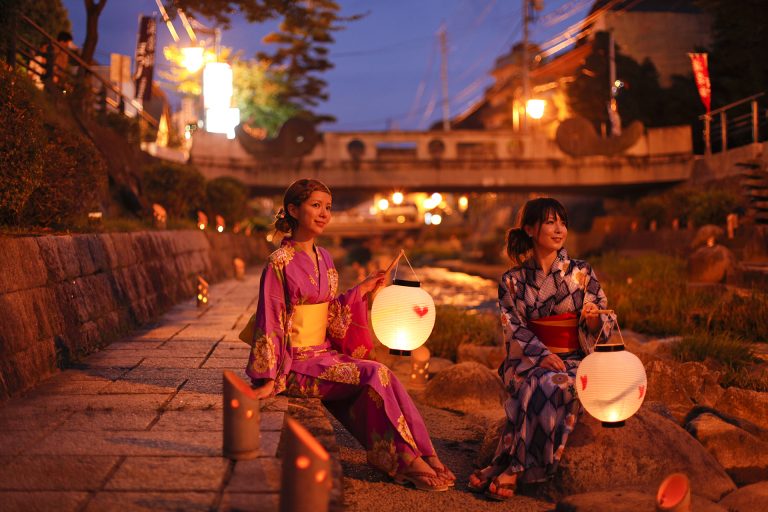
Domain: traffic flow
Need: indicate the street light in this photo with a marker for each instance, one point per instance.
(535, 108)
(192, 58)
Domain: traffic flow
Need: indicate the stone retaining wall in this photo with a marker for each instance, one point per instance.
(65, 296)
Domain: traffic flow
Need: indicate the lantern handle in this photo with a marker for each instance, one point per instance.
(613, 318)
(397, 264)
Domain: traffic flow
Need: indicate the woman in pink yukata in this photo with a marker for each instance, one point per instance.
(311, 341)
(550, 314)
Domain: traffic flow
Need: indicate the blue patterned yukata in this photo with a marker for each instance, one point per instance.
(541, 406)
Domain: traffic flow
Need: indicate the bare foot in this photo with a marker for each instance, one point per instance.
(440, 469)
(503, 486)
(480, 479)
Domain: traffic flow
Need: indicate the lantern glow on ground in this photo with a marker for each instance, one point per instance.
(403, 316)
(611, 384)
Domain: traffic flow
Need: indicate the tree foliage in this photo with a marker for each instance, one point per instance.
(227, 197)
(258, 92)
(640, 99)
(737, 63)
(50, 15)
(180, 189)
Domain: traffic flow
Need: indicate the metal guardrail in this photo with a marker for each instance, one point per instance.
(736, 124)
(41, 64)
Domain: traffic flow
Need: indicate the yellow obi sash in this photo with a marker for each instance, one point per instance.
(308, 325)
(558, 332)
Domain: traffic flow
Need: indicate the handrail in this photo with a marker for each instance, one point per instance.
(731, 105)
(106, 83)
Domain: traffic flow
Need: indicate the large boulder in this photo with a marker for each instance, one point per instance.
(682, 386)
(715, 264)
(637, 456)
(743, 455)
(466, 387)
(489, 356)
(745, 404)
(625, 501)
(747, 499)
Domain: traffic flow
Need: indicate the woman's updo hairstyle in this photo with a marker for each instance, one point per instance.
(297, 193)
(519, 244)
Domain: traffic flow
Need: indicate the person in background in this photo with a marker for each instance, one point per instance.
(550, 317)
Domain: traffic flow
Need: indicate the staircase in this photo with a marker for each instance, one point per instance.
(754, 184)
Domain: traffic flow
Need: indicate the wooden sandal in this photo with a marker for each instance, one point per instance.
(444, 474)
(494, 495)
(420, 480)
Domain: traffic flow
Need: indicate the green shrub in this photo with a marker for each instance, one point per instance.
(180, 189)
(455, 325)
(76, 176)
(731, 355)
(711, 206)
(22, 140)
(127, 127)
(227, 197)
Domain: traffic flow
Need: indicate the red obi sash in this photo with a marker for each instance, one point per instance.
(558, 332)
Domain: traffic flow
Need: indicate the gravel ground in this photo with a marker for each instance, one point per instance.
(457, 438)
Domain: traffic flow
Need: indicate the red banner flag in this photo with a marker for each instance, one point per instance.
(701, 74)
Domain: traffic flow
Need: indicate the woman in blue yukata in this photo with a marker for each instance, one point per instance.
(550, 317)
(311, 341)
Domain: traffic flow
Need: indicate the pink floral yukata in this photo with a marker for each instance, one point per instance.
(364, 395)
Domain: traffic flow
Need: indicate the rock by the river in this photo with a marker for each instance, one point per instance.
(743, 455)
(750, 498)
(639, 455)
(682, 386)
(625, 501)
(490, 356)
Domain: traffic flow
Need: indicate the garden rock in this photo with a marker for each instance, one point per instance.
(491, 357)
(466, 387)
(704, 233)
(682, 386)
(745, 404)
(747, 499)
(743, 455)
(711, 265)
(638, 455)
(625, 501)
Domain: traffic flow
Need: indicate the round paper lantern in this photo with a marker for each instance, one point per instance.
(611, 384)
(403, 316)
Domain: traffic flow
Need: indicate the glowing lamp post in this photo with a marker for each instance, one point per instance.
(192, 58)
(220, 116)
(403, 316)
(611, 384)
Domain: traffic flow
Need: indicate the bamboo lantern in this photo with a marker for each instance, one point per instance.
(202, 220)
(611, 384)
(159, 216)
(202, 292)
(403, 316)
(306, 475)
(674, 494)
(420, 367)
(242, 434)
(220, 224)
(239, 266)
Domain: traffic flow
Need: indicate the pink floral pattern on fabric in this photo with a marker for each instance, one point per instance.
(263, 352)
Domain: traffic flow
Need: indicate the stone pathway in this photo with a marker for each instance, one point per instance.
(138, 425)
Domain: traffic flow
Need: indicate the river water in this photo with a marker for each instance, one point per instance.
(457, 288)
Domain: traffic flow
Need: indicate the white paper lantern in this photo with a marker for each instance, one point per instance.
(403, 316)
(611, 384)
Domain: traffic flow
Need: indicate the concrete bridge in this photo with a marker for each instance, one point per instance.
(454, 161)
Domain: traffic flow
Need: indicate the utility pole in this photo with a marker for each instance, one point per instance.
(613, 109)
(444, 76)
(525, 58)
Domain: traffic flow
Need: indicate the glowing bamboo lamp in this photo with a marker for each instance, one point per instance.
(220, 224)
(202, 220)
(403, 316)
(202, 292)
(674, 494)
(242, 434)
(611, 383)
(159, 216)
(420, 367)
(306, 475)
(239, 266)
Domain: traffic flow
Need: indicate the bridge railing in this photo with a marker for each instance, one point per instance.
(736, 124)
